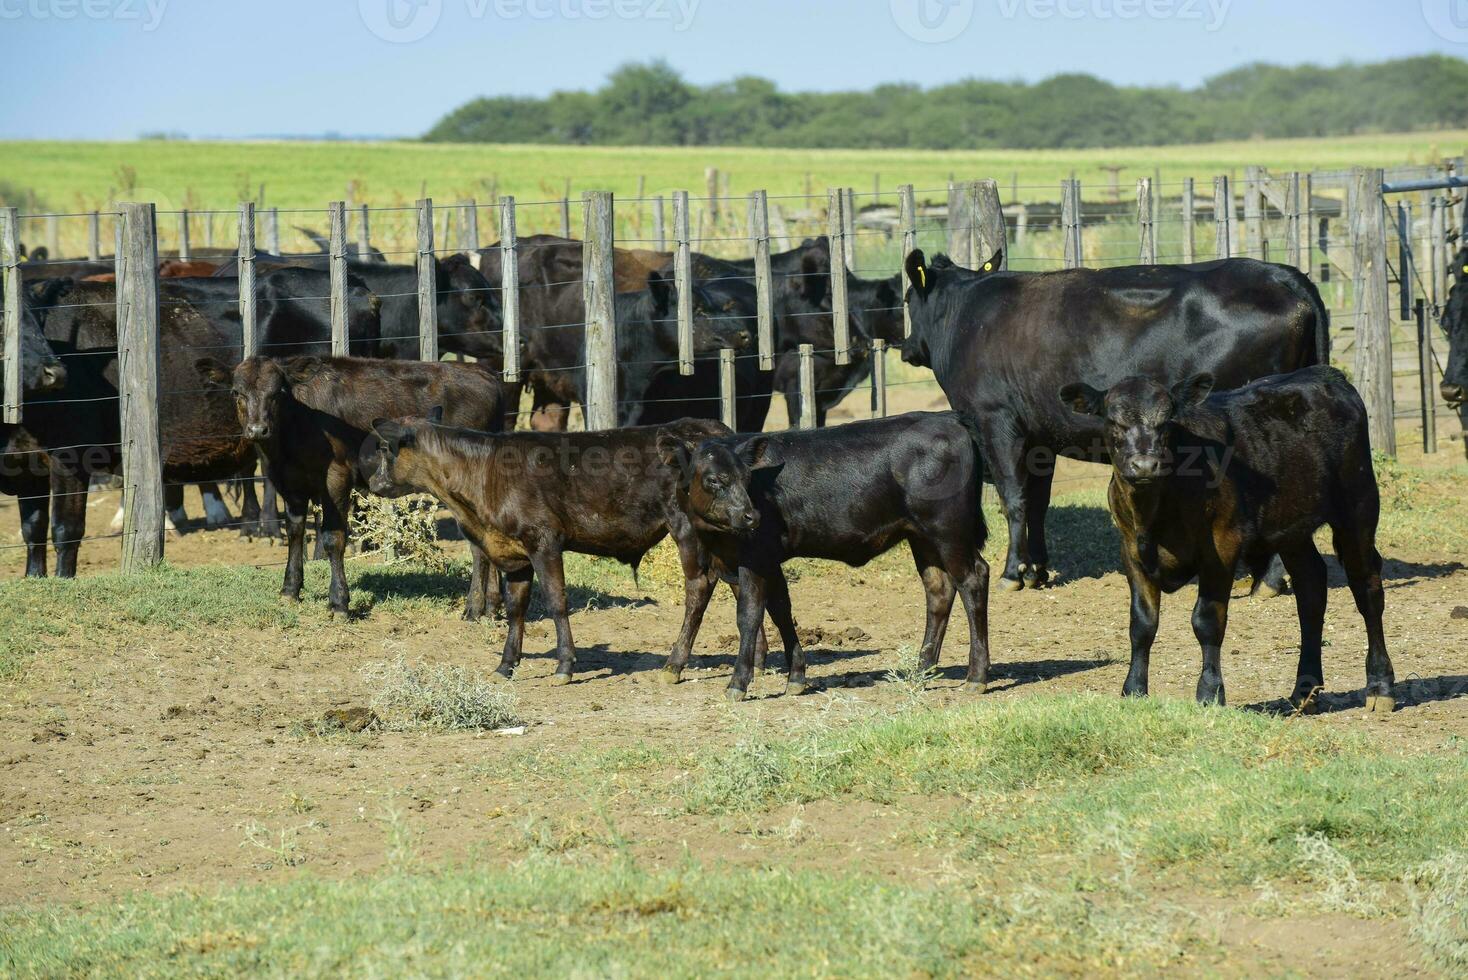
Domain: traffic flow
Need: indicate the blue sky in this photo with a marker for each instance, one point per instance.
(111, 69)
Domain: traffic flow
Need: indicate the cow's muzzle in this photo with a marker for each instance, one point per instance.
(53, 376)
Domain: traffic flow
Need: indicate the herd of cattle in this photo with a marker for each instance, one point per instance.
(1206, 387)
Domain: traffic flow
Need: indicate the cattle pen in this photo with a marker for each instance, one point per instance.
(1358, 244)
(188, 756)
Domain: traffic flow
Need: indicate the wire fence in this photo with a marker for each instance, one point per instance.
(763, 310)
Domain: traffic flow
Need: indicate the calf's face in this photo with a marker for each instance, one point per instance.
(391, 456)
(1137, 417)
(713, 483)
(259, 386)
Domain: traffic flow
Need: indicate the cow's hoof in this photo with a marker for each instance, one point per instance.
(499, 677)
(1380, 704)
(733, 694)
(290, 598)
(975, 687)
(560, 680)
(669, 675)
(796, 688)
(1306, 704)
(1266, 591)
(1010, 585)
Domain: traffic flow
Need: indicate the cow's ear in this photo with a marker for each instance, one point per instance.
(299, 370)
(435, 415)
(394, 434)
(917, 272)
(1191, 392)
(39, 254)
(214, 373)
(756, 453)
(45, 292)
(662, 295)
(1082, 399)
(675, 452)
(995, 263)
(815, 276)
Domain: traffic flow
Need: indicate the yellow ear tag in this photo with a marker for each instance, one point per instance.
(923, 277)
(1465, 270)
(988, 266)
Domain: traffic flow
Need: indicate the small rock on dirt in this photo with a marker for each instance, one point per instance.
(349, 719)
(1460, 612)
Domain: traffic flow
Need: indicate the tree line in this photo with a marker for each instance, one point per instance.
(651, 104)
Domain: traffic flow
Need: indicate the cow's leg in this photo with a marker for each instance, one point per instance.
(336, 508)
(698, 587)
(777, 598)
(751, 616)
(1007, 459)
(939, 589)
(1210, 619)
(1145, 606)
(249, 506)
(216, 511)
(1357, 552)
(517, 601)
(792, 405)
(972, 577)
(269, 512)
(295, 539)
(173, 505)
(1037, 504)
(478, 595)
(34, 500)
(68, 516)
(1272, 582)
(761, 641)
(549, 566)
(1307, 569)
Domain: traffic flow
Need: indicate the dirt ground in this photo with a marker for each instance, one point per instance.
(143, 759)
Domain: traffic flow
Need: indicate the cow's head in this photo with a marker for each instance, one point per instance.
(260, 386)
(41, 370)
(1137, 416)
(468, 307)
(393, 457)
(924, 281)
(718, 319)
(1455, 325)
(713, 479)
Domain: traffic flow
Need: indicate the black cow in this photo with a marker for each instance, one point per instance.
(1455, 324)
(1200, 484)
(526, 498)
(24, 471)
(468, 310)
(1001, 343)
(309, 418)
(353, 251)
(848, 494)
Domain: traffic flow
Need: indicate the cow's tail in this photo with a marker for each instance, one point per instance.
(1305, 289)
(975, 437)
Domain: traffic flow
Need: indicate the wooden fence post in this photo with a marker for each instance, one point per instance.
(1426, 378)
(53, 235)
(14, 291)
(1406, 267)
(659, 226)
(469, 228)
(1147, 244)
(840, 322)
(848, 225)
(364, 233)
(208, 229)
(272, 231)
(879, 378)
(138, 370)
(683, 281)
(566, 214)
(1188, 213)
(249, 327)
(1437, 236)
(510, 288)
(119, 267)
(1070, 223)
(759, 233)
(1253, 213)
(726, 386)
(990, 233)
(599, 291)
(1373, 318)
(337, 263)
(427, 284)
(807, 386)
(1295, 239)
(94, 237)
(183, 235)
(711, 191)
(1306, 213)
(960, 223)
(907, 219)
(1223, 213)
